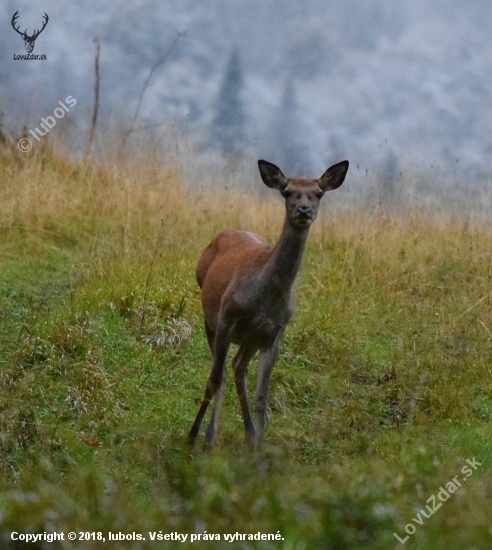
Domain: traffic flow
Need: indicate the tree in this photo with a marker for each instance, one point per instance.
(228, 125)
(290, 134)
(389, 179)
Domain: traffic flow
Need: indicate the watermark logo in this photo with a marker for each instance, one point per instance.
(436, 502)
(29, 40)
(47, 124)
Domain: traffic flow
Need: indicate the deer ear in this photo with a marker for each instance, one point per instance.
(272, 175)
(334, 176)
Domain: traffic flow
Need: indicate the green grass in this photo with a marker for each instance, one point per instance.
(382, 390)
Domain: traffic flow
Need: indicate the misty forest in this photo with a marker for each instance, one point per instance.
(390, 85)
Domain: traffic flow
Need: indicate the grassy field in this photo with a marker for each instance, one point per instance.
(382, 391)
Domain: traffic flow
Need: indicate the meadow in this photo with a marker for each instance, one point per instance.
(382, 391)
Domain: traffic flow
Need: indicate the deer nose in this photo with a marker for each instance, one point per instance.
(304, 210)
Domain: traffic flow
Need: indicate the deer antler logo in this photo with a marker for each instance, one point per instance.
(29, 40)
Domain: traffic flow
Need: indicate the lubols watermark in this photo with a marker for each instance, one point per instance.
(47, 123)
(435, 501)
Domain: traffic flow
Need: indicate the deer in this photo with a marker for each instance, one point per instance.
(247, 294)
(29, 41)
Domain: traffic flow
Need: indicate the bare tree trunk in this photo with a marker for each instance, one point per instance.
(144, 87)
(96, 99)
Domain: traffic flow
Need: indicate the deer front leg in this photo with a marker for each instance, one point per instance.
(221, 346)
(266, 362)
(240, 367)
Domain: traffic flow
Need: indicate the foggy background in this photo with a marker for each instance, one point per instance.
(395, 87)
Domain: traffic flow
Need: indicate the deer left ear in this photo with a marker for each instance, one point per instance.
(271, 175)
(334, 176)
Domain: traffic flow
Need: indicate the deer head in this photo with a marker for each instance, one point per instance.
(302, 195)
(29, 40)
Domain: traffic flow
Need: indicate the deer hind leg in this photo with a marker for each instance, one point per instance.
(211, 432)
(266, 361)
(210, 337)
(240, 367)
(221, 346)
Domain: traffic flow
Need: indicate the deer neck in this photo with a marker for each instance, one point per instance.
(286, 257)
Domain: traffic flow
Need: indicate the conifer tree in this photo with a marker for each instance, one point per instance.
(289, 133)
(228, 126)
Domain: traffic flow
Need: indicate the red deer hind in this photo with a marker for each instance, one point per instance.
(248, 296)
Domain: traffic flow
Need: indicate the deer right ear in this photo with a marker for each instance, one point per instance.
(271, 175)
(334, 176)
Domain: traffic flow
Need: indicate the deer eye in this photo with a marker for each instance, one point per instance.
(287, 193)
